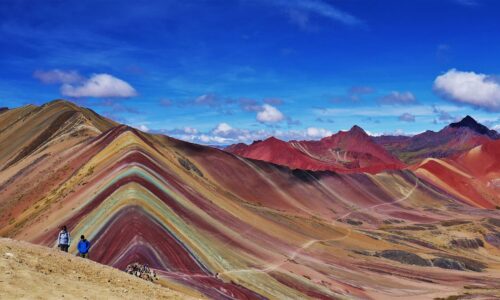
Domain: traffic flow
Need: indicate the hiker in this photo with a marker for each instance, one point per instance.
(64, 239)
(83, 247)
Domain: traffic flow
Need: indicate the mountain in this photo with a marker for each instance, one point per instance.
(28, 129)
(469, 122)
(345, 152)
(453, 139)
(473, 175)
(221, 226)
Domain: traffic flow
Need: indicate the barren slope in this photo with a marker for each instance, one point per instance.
(29, 271)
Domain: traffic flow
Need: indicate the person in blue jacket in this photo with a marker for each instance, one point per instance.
(83, 247)
(63, 239)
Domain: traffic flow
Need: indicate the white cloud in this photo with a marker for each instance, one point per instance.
(190, 130)
(269, 114)
(57, 76)
(479, 90)
(143, 127)
(314, 132)
(222, 129)
(224, 134)
(398, 98)
(99, 86)
(212, 139)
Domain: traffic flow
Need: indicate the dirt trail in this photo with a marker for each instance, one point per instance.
(29, 271)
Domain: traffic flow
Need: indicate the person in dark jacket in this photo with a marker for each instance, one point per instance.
(63, 239)
(83, 247)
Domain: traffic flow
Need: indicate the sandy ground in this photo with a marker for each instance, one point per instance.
(29, 271)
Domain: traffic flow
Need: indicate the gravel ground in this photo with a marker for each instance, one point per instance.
(29, 271)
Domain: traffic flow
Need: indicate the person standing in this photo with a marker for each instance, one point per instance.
(83, 247)
(64, 239)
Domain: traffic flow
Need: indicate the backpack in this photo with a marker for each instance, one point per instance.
(64, 238)
(83, 246)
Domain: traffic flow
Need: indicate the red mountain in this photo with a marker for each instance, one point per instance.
(472, 175)
(346, 151)
(453, 139)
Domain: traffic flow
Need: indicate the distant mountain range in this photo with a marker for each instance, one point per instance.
(355, 151)
(453, 139)
(346, 151)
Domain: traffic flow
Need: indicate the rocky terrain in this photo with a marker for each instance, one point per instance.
(34, 272)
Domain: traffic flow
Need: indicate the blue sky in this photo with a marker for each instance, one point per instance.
(219, 72)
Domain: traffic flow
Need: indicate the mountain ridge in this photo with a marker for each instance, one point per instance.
(453, 139)
(346, 151)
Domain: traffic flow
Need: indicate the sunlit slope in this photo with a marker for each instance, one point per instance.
(473, 176)
(28, 129)
(30, 271)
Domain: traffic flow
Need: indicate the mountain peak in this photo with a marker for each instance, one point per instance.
(272, 139)
(62, 102)
(357, 130)
(469, 122)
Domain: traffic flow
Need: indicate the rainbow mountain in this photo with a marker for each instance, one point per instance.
(220, 226)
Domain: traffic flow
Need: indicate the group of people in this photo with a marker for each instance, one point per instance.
(64, 240)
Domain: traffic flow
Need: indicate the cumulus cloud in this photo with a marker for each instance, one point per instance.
(223, 129)
(99, 86)
(58, 76)
(398, 98)
(269, 114)
(77, 86)
(476, 89)
(407, 117)
(314, 132)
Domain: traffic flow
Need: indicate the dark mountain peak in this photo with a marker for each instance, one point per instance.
(469, 122)
(357, 129)
(3, 109)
